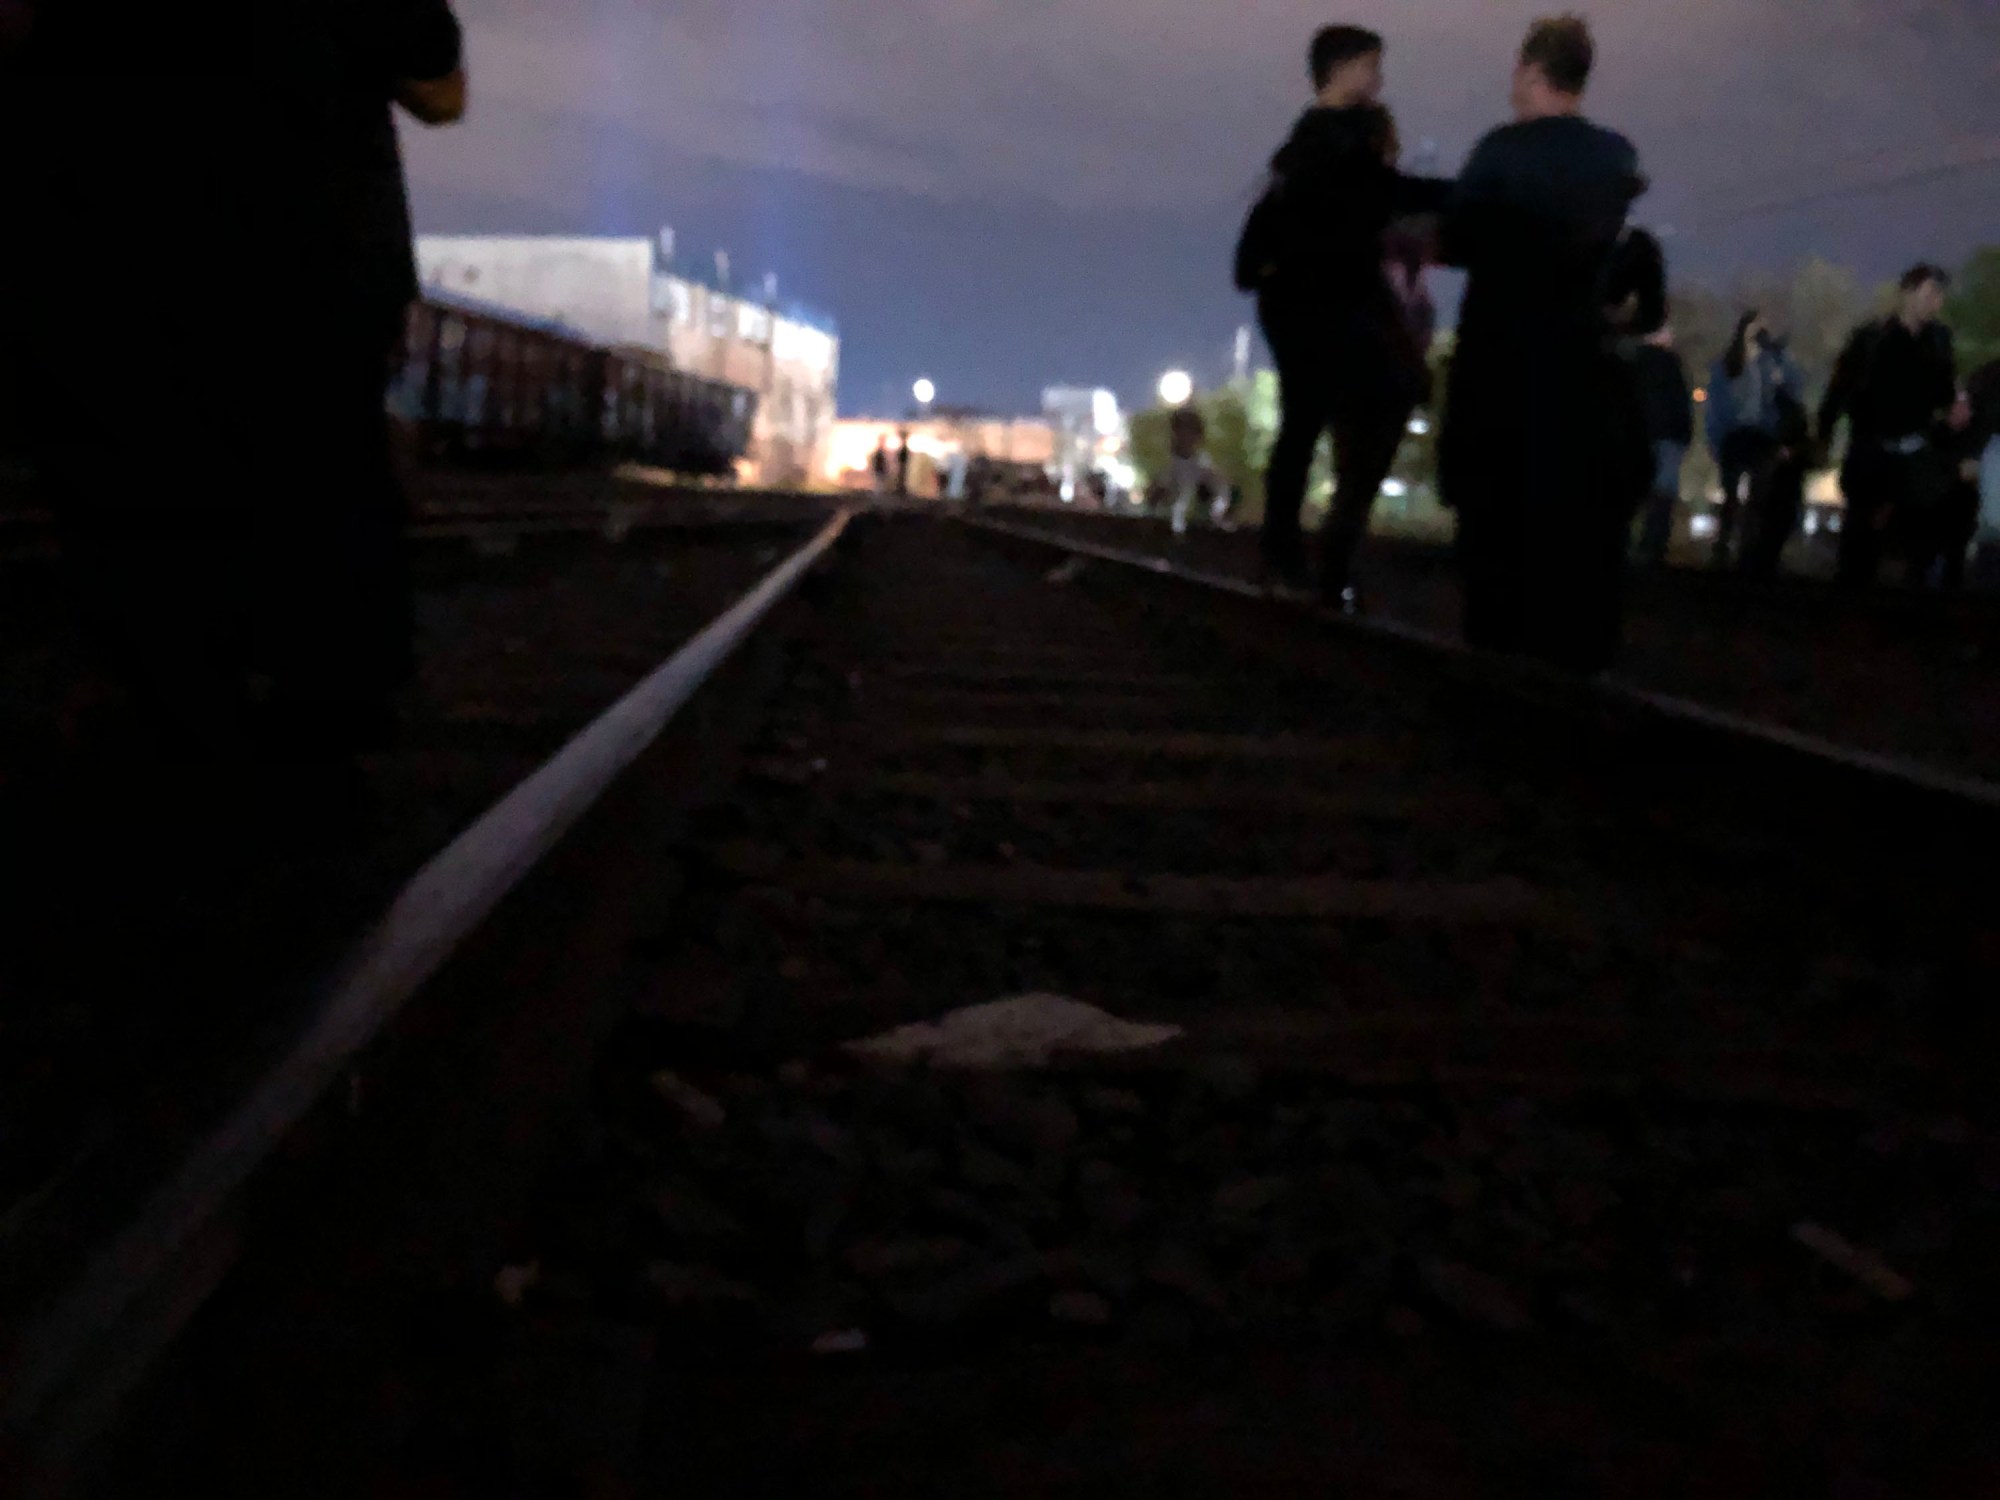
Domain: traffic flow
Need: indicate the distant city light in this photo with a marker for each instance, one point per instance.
(1702, 527)
(1395, 489)
(1176, 388)
(1701, 396)
(1104, 416)
(925, 391)
(1419, 426)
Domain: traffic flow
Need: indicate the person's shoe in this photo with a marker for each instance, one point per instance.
(1344, 600)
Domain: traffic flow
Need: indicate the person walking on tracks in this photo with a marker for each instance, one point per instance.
(1191, 474)
(1313, 253)
(1748, 391)
(1544, 456)
(1893, 385)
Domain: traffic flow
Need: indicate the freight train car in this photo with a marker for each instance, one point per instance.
(483, 386)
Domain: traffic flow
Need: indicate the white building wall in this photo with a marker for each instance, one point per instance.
(601, 288)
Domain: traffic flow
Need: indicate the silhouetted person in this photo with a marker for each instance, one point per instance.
(1747, 391)
(237, 519)
(1668, 407)
(207, 260)
(903, 464)
(1894, 383)
(1313, 252)
(1544, 455)
(879, 465)
(1191, 475)
(338, 606)
(1779, 503)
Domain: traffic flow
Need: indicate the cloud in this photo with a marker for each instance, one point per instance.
(1143, 104)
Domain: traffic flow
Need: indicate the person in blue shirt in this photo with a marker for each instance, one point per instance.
(1544, 455)
(1748, 391)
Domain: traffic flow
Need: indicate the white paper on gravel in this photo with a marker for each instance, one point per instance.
(1028, 1031)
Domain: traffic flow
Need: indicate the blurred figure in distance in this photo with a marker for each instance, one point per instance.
(1668, 405)
(1747, 390)
(1894, 384)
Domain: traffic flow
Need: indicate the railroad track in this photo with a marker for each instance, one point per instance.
(1807, 600)
(1593, 1092)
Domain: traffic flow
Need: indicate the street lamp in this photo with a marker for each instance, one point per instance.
(925, 391)
(1176, 388)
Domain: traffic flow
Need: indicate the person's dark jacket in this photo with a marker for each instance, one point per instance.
(1664, 397)
(1538, 222)
(1890, 383)
(1317, 233)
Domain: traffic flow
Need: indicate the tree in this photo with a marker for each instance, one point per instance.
(1152, 448)
(1815, 307)
(1974, 310)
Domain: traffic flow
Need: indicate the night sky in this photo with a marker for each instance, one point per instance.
(1004, 194)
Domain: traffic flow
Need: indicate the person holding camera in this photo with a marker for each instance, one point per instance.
(1755, 394)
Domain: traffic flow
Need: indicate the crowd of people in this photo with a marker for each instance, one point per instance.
(267, 633)
(1569, 414)
(1916, 448)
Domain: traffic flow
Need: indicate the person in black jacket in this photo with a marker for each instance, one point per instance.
(1894, 383)
(255, 602)
(1544, 454)
(1313, 253)
(1668, 406)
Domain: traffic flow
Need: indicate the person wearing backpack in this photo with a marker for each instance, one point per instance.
(1313, 254)
(1894, 383)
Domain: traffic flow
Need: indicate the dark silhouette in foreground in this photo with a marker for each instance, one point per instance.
(1313, 251)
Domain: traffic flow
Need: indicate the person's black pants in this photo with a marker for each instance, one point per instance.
(1777, 503)
(332, 610)
(1543, 573)
(1881, 490)
(1545, 514)
(1344, 377)
(1746, 461)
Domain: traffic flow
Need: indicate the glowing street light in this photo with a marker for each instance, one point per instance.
(1419, 426)
(1176, 388)
(925, 391)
